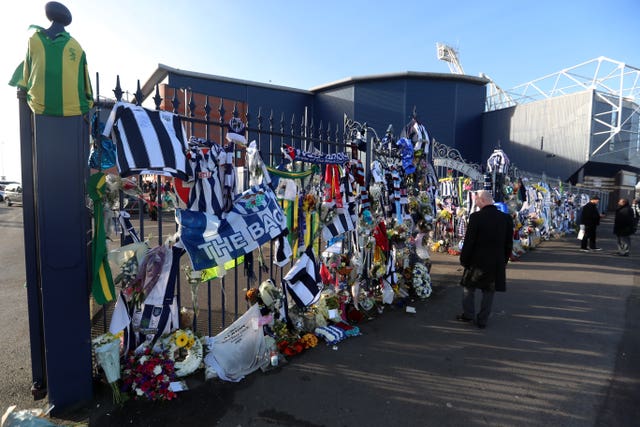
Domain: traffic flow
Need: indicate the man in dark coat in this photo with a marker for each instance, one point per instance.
(589, 220)
(623, 225)
(487, 246)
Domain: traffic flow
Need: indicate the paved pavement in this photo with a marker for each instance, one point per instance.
(561, 349)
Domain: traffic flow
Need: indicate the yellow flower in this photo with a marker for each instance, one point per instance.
(181, 339)
(191, 342)
(309, 340)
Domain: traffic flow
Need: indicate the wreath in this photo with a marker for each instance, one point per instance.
(180, 342)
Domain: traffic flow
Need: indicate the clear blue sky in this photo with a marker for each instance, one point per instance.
(304, 44)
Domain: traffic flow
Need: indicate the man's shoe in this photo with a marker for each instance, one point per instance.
(463, 318)
(585, 250)
(479, 324)
(596, 249)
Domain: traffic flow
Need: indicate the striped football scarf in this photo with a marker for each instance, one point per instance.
(102, 286)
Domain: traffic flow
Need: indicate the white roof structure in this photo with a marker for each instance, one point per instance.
(614, 83)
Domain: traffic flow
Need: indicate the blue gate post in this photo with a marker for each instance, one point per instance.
(61, 230)
(56, 231)
(34, 302)
(56, 228)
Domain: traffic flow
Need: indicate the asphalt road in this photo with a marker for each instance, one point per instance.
(15, 363)
(561, 349)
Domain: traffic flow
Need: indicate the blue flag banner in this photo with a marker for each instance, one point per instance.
(255, 219)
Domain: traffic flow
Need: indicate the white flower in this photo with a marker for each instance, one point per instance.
(192, 361)
(421, 280)
(157, 370)
(139, 392)
(143, 359)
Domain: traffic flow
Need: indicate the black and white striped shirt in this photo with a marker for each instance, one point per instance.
(147, 141)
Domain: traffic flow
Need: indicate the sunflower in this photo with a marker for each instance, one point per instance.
(191, 342)
(181, 339)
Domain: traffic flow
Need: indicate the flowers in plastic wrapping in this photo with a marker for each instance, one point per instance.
(289, 343)
(107, 350)
(425, 202)
(420, 209)
(131, 285)
(252, 295)
(400, 233)
(438, 246)
(194, 279)
(115, 184)
(127, 185)
(375, 196)
(148, 374)
(329, 305)
(377, 271)
(413, 207)
(421, 280)
(445, 215)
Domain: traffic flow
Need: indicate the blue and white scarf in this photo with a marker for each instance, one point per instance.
(255, 219)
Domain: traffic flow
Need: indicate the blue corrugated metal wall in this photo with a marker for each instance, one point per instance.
(451, 107)
(279, 100)
(331, 106)
(451, 110)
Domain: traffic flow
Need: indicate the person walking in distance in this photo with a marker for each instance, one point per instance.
(623, 225)
(488, 243)
(589, 221)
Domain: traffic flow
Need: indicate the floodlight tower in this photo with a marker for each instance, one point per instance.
(450, 56)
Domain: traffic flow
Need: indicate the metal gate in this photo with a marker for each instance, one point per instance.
(456, 179)
(214, 304)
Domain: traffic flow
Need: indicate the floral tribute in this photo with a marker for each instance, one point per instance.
(186, 351)
(290, 343)
(421, 281)
(107, 350)
(147, 375)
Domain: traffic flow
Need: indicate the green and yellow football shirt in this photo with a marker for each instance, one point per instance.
(55, 76)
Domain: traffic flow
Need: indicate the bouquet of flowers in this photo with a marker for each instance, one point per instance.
(131, 283)
(309, 340)
(400, 233)
(180, 342)
(438, 246)
(107, 350)
(194, 279)
(421, 280)
(288, 343)
(128, 186)
(148, 374)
